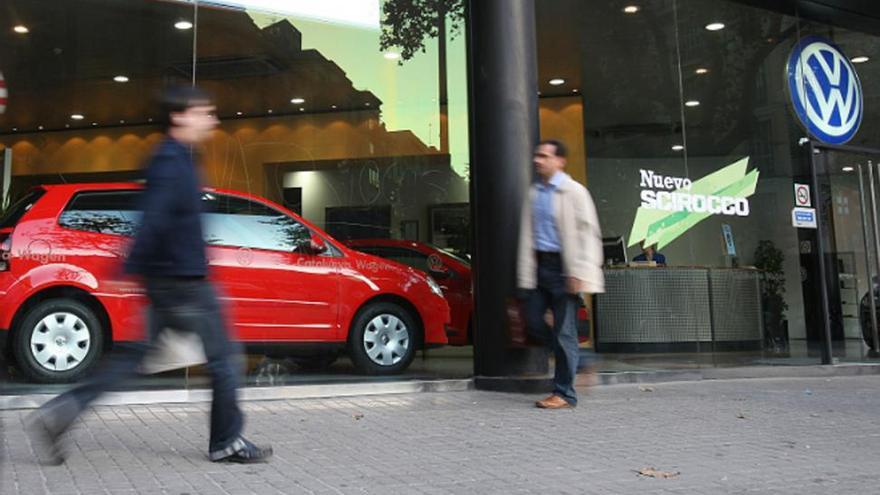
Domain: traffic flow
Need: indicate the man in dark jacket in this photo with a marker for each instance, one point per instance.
(168, 253)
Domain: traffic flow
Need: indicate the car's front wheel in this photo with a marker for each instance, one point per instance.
(383, 339)
(57, 341)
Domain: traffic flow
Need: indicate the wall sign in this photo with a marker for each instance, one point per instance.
(802, 195)
(673, 205)
(825, 90)
(804, 218)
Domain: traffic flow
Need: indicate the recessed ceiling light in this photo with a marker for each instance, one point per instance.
(557, 82)
(94, 123)
(301, 109)
(67, 126)
(715, 26)
(183, 25)
(368, 103)
(392, 55)
(40, 127)
(121, 121)
(121, 79)
(15, 128)
(575, 90)
(150, 119)
(692, 103)
(631, 9)
(333, 107)
(860, 60)
(702, 71)
(21, 29)
(237, 113)
(677, 147)
(269, 111)
(848, 169)
(77, 116)
(297, 101)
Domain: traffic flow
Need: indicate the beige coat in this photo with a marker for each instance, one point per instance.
(579, 235)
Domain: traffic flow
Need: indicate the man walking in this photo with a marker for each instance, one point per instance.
(168, 253)
(560, 257)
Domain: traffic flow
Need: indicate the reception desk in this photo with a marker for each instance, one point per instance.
(679, 309)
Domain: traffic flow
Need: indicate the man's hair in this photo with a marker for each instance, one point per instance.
(559, 146)
(174, 99)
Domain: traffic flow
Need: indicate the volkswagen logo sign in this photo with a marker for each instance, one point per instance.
(825, 90)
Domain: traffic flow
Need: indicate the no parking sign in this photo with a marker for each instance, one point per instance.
(802, 195)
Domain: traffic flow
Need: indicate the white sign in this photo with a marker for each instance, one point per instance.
(675, 195)
(802, 195)
(804, 218)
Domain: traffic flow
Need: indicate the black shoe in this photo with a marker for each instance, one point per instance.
(46, 441)
(242, 451)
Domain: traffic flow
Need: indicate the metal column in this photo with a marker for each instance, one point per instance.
(867, 237)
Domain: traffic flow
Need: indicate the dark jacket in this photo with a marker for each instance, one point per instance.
(169, 241)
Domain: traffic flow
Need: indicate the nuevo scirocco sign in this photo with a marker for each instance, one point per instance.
(825, 90)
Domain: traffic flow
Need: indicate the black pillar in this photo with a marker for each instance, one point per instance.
(504, 131)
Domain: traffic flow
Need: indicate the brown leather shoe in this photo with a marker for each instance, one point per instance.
(553, 402)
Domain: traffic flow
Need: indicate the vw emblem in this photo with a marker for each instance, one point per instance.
(825, 90)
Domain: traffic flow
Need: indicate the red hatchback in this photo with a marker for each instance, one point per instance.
(290, 287)
(452, 273)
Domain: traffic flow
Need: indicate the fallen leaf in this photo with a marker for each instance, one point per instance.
(358, 417)
(650, 472)
(741, 416)
(645, 388)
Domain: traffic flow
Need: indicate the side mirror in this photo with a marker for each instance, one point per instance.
(314, 246)
(440, 273)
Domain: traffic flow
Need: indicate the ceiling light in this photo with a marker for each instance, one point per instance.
(848, 169)
(150, 119)
(702, 71)
(237, 113)
(368, 103)
(94, 123)
(677, 147)
(333, 107)
(298, 101)
(575, 90)
(121, 121)
(301, 109)
(269, 111)
(121, 79)
(21, 29)
(183, 25)
(692, 103)
(67, 126)
(40, 127)
(15, 129)
(631, 9)
(715, 26)
(557, 82)
(77, 116)
(392, 55)
(860, 60)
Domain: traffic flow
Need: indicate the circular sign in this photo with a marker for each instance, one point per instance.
(802, 194)
(825, 90)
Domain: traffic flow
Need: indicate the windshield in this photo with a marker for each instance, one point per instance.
(456, 257)
(11, 216)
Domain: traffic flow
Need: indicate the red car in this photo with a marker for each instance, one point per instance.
(290, 287)
(454, 276)
(451, 272)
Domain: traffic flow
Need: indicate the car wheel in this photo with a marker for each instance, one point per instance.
(57, 341)
(383, 339)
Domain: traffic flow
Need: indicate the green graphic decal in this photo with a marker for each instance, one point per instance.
(666, 215)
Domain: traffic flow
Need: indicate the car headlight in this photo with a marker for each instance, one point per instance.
(435, 287)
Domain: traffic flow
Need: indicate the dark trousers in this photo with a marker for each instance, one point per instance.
(187, 305)
(562, 338)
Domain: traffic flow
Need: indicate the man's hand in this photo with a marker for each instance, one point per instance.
(573, 285)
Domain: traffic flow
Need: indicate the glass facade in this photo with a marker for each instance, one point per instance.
(347, 120)
(336, 111)
(680, 116)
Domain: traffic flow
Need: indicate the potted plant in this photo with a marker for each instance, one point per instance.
(769, 259)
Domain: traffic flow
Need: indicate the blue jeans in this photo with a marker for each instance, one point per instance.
(187, 305)
(562, 338)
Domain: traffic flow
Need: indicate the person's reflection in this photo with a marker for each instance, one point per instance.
(650, 253)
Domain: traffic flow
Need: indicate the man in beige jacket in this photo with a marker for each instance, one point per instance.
(560, 256)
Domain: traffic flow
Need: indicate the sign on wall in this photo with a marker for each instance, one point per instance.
(825, 90)
(673, 205)
(802, 195)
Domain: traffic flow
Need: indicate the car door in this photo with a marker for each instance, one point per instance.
(275, 293)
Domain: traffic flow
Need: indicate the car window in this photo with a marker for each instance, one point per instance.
(239, 222)
(11, 216)
(105, 212)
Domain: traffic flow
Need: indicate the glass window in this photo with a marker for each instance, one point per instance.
(405, 256)
(239, 222)
(104, 212)
(19, 208)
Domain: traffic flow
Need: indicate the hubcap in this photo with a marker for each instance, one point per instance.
(386, 339)
(60, 341)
